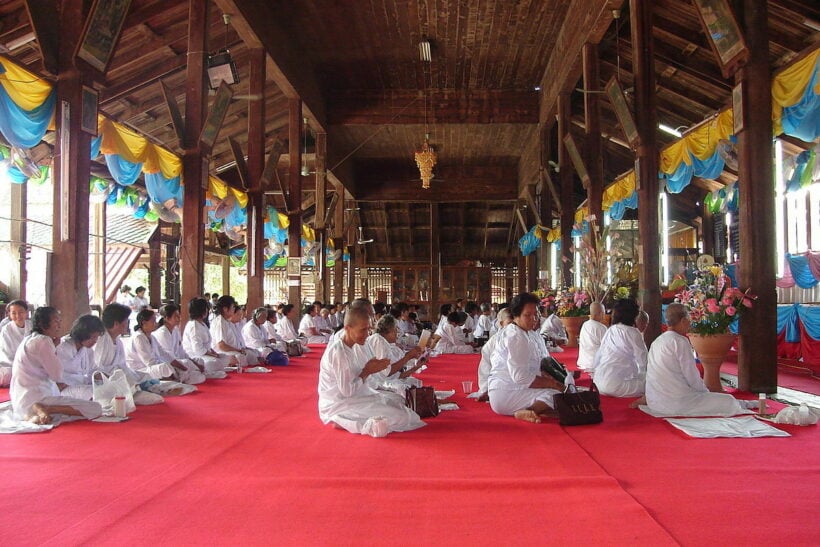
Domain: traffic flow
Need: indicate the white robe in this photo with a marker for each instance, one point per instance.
(674, 386)
(256, 338)
(36, 371)
(450, 341)
(485, 365)
(11, 336)
(272, 334)
(380, 348)
(350, 402)
(307, 324)
(169, 345)
(147, 355)
(196, 341)
(286, 331)
(516, 362)
(322, 324)
(553, 328)
(109, 355)
(483, 326)
(589, 340)
(223, 330)
(78, 365)
(619, 367)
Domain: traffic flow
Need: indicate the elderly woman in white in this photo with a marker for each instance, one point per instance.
(37, 375)
(196, 340)
(284, 326)
(382, 345)
(11, 336)
(516, 385)
(224, 336)
(619, 368)
(485, 365)
(451, 336)
(308, 328)
(256, 336)
(592, 332)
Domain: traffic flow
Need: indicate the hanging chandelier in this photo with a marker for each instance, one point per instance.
(425, 161)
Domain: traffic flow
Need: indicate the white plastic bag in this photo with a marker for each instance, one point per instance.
(376, 426)
(798, 415)
(105, 388)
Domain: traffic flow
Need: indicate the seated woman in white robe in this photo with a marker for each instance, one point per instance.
(484, 323)
(168, 338)
(77, 356)
(307, 327)
(450, 341)
(516, 386)
(224, 338)
(284, 327)
(345, 396)
(238, 321)
(146, 355)
(37, 375)
(619, 367)
(256, 337)
(485, 365)
(322, 322)
(553, 330)
(11, 336)
(196, 340)
(673, 384)
(592, 332)
(272, 335)
(382, 344)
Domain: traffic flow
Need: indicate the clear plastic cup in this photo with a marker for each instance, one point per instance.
(467, 386)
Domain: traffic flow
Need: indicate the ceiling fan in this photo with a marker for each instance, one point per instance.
(362, 240)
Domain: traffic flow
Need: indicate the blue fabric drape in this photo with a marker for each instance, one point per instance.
(802, 120)
(25, 128)
(123, 171)
(528, 242)
(710, 168)
(96, 142)
(810, 317)
(680, 179)
(161, 189)
(801, 272)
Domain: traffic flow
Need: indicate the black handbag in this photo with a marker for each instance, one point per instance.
(579, 407)
(422, 401)
(294, 348)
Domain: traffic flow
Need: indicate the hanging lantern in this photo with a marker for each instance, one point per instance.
(426, 160)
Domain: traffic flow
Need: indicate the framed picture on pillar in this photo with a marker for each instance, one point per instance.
(577, 160)
(737, 108)
(101, 32)
(617, 99)
(88, 121)
(294, 268)
(724, 34)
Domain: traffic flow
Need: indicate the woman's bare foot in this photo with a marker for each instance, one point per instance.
(39, 415)
(527, 415)
(174, 392)
(638, 402)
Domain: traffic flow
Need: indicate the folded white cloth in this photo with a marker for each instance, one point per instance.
(447, 406)
(10, 424)
(445, 394)
(257, 370)
(710, 428)
(657, 414)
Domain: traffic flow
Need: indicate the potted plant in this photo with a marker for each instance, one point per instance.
(572, 306)
(713, 306)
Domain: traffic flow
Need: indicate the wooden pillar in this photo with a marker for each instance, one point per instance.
(256, 164)
(594, 144)
(646, 165)
(323, 284)
(566, 187)
(226, 275)
(708, 231)
(154, 268)
(17, 245)
(435, 259)
(68, 278)
(757, 360)
(339, 240)
(172, 268)
(98, 249)
(509, 291)
(194, 162)
(545, 199)
(294, 199)
(532, 271)
(522, 272)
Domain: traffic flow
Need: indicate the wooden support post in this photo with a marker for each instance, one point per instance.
(294, 200)
(98, 249)
(194, 162)
(17, 244)
(522, 272)
(435, 259)
(594, 143)
(509, 290)
(757, 360)
(532, 271)
(256, 164)
(68, 279)
(172, 268)
(566, 184)
(544, 198)
(154, 268)
(226, 275)
(323, 285)
(646, 165)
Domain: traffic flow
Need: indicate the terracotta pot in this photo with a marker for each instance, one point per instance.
(607, 319)
(712, 350)
(573, 328)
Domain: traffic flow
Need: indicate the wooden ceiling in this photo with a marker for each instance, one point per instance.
(358, 64)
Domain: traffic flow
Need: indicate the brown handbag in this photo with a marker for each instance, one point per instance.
(422, 401)
(579, 407)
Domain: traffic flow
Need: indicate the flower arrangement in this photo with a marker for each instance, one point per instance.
(599, 249)
(712, 301)
(572, 302)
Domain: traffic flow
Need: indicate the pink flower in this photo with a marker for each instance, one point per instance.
(696, 314)
(726, 300)
(731, 311)
(747, 302)
(712, 305)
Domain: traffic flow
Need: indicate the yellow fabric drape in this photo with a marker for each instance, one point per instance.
(308, 233)
(219, 189)
(789, 86)
(26, 89)
(284, 221)
(619, 190)
(554, 234)
(133, 147)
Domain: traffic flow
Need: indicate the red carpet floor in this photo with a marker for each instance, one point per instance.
(247, 461)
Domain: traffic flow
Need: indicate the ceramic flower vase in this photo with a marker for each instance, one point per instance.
(573, 328)
(712, 350)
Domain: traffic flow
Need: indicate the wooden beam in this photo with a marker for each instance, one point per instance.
(239, 158)
(407, 106)
(757, 363)
(294, 196)
(567, 187)
(255, 235)
(45, 25)
(646, 165)
(389, 181)
(321, 180)
(174, 112)
(594, 145)
(143, 79)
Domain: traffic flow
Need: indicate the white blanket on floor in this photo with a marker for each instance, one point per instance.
(657, 414)
(10, 424)
(710, 428)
